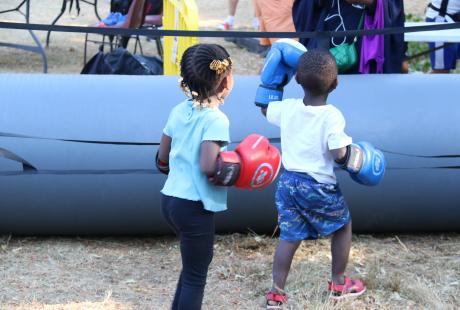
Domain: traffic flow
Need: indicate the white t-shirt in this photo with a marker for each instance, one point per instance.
(452, 7)
(308, 133)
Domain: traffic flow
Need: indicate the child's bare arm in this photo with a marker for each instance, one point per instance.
(264, 111)
(339, 154)
(162, 157)
(208, 155)
(165, 148)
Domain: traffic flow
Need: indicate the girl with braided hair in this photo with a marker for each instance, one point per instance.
(194, 134)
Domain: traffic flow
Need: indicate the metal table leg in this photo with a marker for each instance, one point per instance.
(38, 49)
(95, 7)
(63, 8)
(15, 9)
(64, 5)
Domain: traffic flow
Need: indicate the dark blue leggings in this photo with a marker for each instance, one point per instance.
(195, 227)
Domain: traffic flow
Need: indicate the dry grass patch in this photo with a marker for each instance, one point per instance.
(401, 272)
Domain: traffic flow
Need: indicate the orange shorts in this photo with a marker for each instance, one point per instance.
(274, 15)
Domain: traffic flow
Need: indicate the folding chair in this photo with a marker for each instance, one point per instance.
(155, 22)
(63, 8)
(134, 19)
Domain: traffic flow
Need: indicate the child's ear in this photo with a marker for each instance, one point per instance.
(223, 84)
(226, 83)
(334, 85)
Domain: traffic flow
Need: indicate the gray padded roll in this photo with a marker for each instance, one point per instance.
(97, 188)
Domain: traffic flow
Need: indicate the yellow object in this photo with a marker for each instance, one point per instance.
(178, 15)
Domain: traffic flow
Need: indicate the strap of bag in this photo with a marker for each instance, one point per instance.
(342, 23)
(443, 8)
(443, 11)
(360, 25)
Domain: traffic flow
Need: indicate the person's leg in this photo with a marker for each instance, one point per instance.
(293, 229)
(340, 250)
(167, 206)
(232, 5)
(342, 286)
(196, 227)
(282, 263)
(175, 305)
(328, 215)
(166, 202)
(229, 22)
(443, 59)
(255, 19)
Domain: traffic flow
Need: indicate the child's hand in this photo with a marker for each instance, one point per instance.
(162, 156)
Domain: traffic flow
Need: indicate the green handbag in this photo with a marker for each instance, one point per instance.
(346, 55)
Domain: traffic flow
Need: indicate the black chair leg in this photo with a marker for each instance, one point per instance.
(64, 5)
(159, 46)
(138, 43)
(123, 42)
(85, 49)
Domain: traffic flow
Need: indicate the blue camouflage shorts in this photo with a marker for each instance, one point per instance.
(308, 209)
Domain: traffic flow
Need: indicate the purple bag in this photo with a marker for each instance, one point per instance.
(372, 47)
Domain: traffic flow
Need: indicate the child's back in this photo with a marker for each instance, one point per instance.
(188, 127)
(307, 134)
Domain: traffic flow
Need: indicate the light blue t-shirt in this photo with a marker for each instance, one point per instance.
(188, 127)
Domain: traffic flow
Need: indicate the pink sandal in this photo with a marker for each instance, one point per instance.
(275, 300)
(350, 288)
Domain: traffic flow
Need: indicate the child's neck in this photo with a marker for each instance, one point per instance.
(212, 102)
(314, 100)
(215, 101)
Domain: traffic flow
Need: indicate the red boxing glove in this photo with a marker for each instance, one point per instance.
(254, 164)
(260, 162)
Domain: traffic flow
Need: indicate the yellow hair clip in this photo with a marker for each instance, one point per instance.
(220, 66)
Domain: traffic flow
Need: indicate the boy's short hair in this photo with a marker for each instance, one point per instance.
(317, 71)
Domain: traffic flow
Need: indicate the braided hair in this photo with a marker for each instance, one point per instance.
(203, 68)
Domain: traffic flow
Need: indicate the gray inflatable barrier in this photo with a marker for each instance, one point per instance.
(77, 153)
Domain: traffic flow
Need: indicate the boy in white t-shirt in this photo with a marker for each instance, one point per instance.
(309, 201)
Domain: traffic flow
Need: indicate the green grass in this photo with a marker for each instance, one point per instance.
(422, 63)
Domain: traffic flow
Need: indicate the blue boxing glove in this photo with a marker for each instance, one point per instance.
(365, 163)
(279, 67)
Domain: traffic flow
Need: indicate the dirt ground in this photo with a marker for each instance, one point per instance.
(400, 271)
